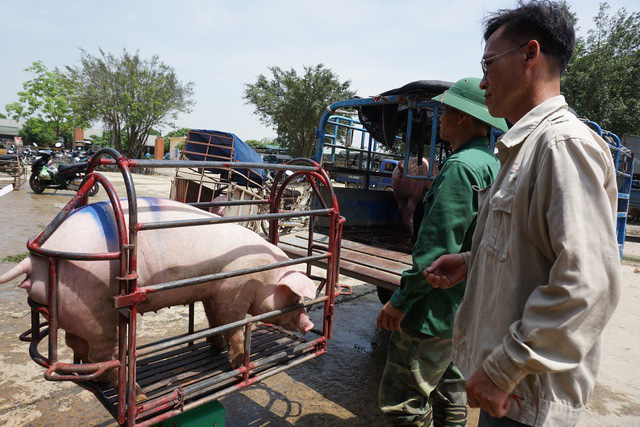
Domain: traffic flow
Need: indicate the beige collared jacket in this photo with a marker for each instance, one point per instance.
(544, 269)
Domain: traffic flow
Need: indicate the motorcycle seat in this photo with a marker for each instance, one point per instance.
(8, 157)
(68, 168)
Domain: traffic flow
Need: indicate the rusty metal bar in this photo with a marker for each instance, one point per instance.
(225, 392)
(219, 276)
(247, 351)
(202, 385)
(192, 315)
(229, 203)
(226, 220)
(213, 331)
(53, 311)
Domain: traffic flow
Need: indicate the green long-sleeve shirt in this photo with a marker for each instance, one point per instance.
(450, 208)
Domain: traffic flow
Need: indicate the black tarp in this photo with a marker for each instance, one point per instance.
(384, 122)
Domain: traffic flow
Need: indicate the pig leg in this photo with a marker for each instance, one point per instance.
(235, 339)
(79, 346)
(216, 341)
(220, 313)
(105, 350)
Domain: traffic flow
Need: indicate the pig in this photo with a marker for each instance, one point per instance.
(410, 192)
(219, 210)
(87, 288)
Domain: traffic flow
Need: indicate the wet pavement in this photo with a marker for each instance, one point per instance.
(339, 388)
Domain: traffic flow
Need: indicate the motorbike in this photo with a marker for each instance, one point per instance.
(64, 176)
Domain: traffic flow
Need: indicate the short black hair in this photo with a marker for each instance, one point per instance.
(548, 22)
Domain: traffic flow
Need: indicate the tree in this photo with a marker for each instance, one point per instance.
(2, 116)
(182, 132)
(601, 82)
(130, 95)
(178, 132)
(293, 104)
(39, 131)
(47, 97)
(254, 143)
(103, 140)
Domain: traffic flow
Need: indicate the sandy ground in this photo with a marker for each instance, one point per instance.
(339, 388)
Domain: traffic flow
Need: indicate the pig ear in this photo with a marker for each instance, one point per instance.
(299, 284)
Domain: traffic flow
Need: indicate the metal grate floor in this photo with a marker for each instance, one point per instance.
(199, 371)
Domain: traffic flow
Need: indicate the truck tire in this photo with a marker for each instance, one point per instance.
(384, 295)
(352, 185)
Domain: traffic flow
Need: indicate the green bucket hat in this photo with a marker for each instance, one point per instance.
(465, 95)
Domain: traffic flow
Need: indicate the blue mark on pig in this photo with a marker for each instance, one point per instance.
(153, 205)
(102, 214)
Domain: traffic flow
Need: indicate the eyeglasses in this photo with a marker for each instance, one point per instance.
(485, 63)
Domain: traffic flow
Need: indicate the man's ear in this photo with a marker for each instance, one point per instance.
(532, 51)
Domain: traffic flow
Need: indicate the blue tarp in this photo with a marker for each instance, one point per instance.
(216, 146)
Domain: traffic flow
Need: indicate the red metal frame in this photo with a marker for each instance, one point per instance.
(129, 295)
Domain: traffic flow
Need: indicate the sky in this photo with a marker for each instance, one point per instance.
(222, 45)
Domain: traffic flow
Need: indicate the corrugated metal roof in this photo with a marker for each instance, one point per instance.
(9, 130)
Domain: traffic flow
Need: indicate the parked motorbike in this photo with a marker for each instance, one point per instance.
(64, 176)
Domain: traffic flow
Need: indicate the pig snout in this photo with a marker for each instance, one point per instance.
(297, 321)
(219, 210)
(303, 323)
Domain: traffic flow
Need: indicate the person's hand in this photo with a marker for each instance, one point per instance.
(446, 272)
(483, 393)
(390, 318)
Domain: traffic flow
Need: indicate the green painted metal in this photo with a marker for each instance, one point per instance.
(209, 415)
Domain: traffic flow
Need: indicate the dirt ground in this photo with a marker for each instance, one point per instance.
(339, 388)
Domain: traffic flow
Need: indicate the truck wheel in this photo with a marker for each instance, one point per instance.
(36, 185)
(384, 295)
(352, 185)
(388, 188)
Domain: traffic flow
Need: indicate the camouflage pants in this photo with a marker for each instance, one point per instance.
(419, 370)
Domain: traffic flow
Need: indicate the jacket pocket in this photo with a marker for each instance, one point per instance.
(499, 236)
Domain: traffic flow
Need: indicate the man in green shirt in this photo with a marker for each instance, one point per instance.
(421, 317)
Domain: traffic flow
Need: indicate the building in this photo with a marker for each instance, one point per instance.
(9, 130)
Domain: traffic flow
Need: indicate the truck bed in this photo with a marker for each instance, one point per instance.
(375, 256)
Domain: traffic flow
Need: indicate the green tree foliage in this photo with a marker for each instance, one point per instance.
(254, 143)
(178, 132)
(47, 97)
(130, 95)
(2, 116)
(103, 140)
(602, 81)
(39, 131)
(292, 104)
(182, 132)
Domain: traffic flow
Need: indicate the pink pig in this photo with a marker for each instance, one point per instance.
(87, 288)
(410, 192)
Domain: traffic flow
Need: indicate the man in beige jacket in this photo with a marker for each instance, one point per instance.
(543, 275)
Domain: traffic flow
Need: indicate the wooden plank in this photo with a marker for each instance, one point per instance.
(367, 249)
(366, 260)
(350, 269)
(388, 254)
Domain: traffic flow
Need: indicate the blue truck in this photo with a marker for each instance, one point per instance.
(375, 248)
(380, 179)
